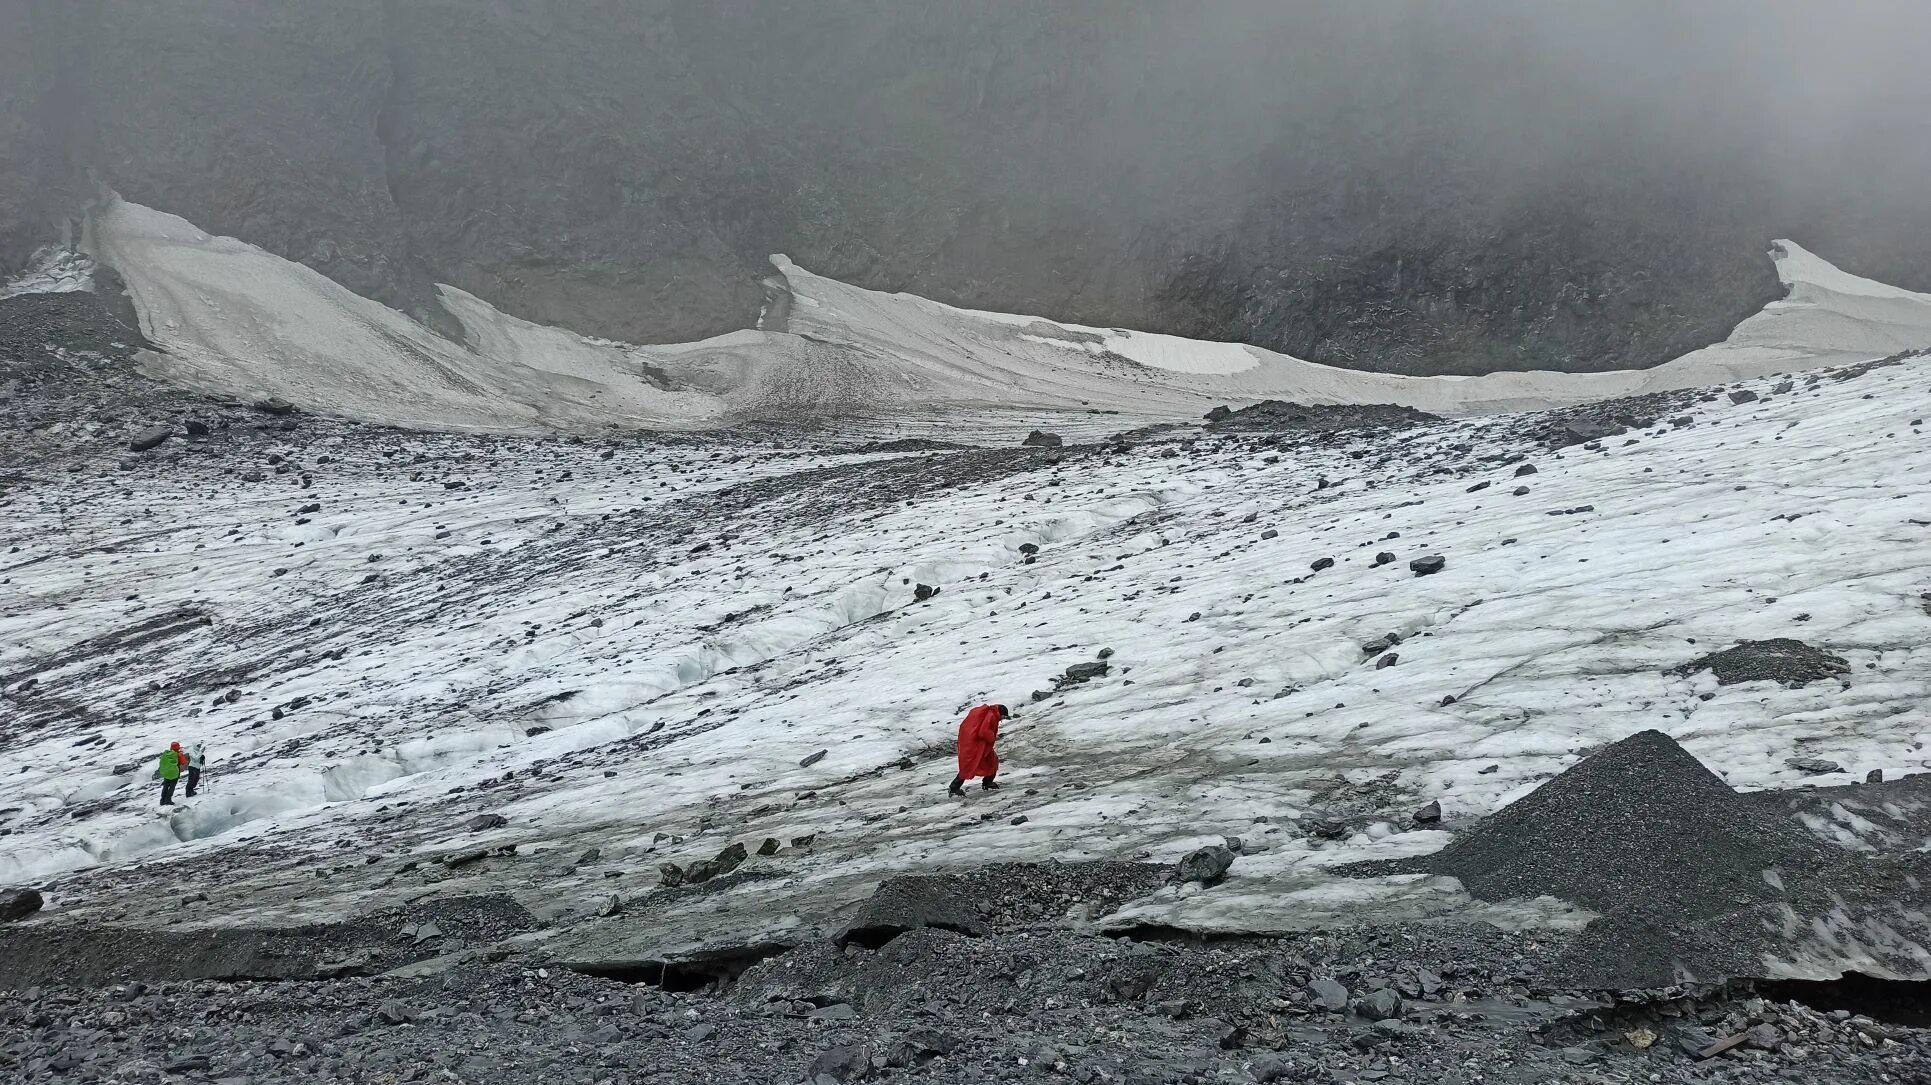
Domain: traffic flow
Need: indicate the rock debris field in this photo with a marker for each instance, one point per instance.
(1582, 746)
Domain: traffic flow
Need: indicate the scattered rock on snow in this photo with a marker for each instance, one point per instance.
(1434, 563)
(1041, 439)
(812, 759)
(1084, 672)
(482, 822)
(1207, 865)
(1428, 815)
(1813, 766)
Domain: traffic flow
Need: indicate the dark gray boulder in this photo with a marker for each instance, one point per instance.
(1327, 994)
(18, 904)
(150, 438)
(1207, 865)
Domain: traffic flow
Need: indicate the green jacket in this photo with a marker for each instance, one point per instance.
(170, 765)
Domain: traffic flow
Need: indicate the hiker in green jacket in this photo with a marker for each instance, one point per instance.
(171, 759)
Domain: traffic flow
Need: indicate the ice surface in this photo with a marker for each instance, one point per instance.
(52, 271)
(695, 623)
(235, 319)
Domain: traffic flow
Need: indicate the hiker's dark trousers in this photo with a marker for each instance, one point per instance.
(167, 792)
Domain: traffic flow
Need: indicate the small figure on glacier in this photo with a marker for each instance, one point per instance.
(977, 758)
(170, 771)
(195, 761)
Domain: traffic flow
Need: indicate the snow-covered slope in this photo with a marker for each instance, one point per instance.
(641, 649)
(233, 318)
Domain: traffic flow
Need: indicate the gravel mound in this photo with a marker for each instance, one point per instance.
(1638, 820)
(1791, 662)
(1682, 869)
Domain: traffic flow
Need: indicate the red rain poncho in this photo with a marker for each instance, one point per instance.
(977, 733)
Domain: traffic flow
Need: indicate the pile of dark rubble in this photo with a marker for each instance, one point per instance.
(1272, 415)
(1690, 880)
(1781, 659)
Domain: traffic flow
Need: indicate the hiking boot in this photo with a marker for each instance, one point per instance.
(957, 788)
(990, 786)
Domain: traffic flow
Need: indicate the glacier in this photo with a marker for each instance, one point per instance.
(636, 644)
(233, 319)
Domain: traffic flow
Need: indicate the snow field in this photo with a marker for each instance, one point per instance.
(688, 653)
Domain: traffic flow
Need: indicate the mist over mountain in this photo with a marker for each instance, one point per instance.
(1415, 187)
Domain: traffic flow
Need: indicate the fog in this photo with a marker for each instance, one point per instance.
(1421, 185)
(1816, 93)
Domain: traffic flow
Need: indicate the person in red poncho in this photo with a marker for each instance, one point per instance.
(977, 733)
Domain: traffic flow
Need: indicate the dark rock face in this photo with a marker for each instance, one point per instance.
(625, 168)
